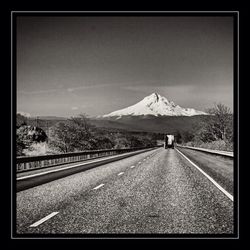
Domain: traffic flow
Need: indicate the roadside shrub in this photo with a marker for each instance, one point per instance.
(26, 136)
(214, 145)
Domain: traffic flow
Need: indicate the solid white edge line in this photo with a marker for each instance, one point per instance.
(219, 152)
(210, 178)
(73, 166)
(98, 186)
(121, 173)
(43, 219)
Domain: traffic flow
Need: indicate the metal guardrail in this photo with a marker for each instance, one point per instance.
(216, 152)
(26, 163)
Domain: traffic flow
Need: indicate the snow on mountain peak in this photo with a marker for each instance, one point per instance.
(156, 105)
(24, 114)
(153, 96)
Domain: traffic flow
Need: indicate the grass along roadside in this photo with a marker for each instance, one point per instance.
(214, 145)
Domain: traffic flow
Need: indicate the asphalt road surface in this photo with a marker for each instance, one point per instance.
(156, 192)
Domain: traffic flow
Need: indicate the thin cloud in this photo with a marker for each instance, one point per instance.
(89, 87)
(114, 84)
(125, 85)
(38, 91)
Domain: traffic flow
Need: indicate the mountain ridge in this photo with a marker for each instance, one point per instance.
(149, 123)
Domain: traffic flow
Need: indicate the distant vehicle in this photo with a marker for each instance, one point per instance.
(169, 141)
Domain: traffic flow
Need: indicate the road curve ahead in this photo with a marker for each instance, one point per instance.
(154, 192)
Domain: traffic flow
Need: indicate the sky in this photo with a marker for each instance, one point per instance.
(96, 65)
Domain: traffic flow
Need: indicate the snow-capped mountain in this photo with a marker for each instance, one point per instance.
(24, 114)
(155, 105)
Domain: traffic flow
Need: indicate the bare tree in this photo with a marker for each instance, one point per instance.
(74, 134)
(221, 122)
(61, 138)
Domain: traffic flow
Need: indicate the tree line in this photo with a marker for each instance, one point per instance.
(78, 134)
(215, 127)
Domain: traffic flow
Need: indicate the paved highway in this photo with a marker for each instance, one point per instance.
(157, 191)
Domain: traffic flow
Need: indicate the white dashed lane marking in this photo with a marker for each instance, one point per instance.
(120, 173)
(132, 166)
(99, 186)
(44, 219)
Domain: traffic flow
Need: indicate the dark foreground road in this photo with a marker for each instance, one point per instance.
(154, 192)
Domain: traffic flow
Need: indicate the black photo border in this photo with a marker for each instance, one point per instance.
(234, 14)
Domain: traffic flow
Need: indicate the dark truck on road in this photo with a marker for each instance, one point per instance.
(169, 141)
